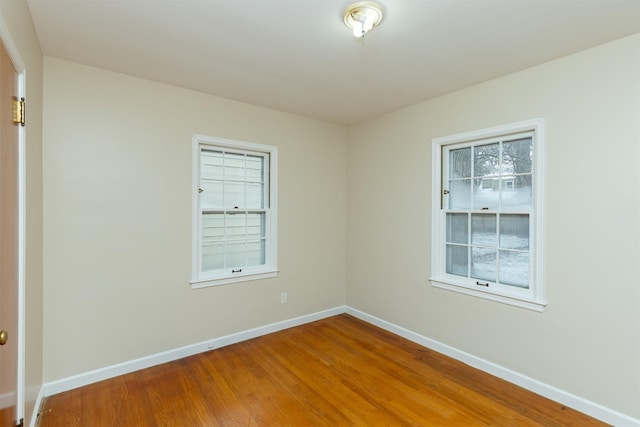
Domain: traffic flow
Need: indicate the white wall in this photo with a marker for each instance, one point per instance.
(117, 188)
(587, 341)
(17, 27)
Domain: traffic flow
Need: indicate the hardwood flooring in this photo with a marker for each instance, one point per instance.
(338, 371)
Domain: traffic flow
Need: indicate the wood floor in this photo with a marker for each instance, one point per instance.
(338, 371)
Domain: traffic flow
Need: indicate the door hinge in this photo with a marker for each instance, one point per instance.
(18, 111)
(20, 423)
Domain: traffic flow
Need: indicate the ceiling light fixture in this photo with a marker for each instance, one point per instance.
(362, 17)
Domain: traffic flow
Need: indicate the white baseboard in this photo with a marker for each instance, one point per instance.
(91, 377)
(8, 399)
(275, 327)
(583, 405)
(590, 408)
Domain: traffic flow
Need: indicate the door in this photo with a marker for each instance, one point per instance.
(8, 242)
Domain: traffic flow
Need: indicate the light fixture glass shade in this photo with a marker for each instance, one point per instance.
(367, 25)
(358, 29)
(362, 17)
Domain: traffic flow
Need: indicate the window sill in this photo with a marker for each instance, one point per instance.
(226, 280)
(514, 300)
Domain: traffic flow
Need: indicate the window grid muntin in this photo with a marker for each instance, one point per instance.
(447, 183)
(227, 210)
(498, 248)
(245, 182)
(498, 210)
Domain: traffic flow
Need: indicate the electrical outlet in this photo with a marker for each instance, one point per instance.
(283, 298)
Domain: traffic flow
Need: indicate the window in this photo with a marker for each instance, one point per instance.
(487, 214)
(234, 211)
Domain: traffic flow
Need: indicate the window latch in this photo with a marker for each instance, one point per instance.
(200, 190)
(444, 193)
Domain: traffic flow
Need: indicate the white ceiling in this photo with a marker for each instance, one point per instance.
(298, 56)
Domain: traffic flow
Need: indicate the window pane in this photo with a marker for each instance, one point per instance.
(211, 164)
(486, 160)
(483, 230)
(486, 193)
(212, 242)
(457, 260)
(212, 227)
(514, 232)
(234, 166)
(516, 192)
(483, 264)
(517, 156)
(514, 268)
(212, 256)
(255, 252)
(234, 194)
(256, 225)
(233, 240)
(211, 196)
(236, 225)
(236, 254)
(460, 163)
(255, 169)
(457, 228)
(460, 194)
(255, 197)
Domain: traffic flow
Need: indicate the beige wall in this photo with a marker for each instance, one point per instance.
(117, 221)
(587, 341)
(117, 173)
(16, 17)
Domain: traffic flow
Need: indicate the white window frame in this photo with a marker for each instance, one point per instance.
(531, 298)
(201, 279)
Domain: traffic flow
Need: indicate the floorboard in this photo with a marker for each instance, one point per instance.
(338, 371)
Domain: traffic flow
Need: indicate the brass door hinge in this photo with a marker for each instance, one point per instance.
(18, 111)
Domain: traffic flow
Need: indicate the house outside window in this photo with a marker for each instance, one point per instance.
(487, 214)
(234, 201)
